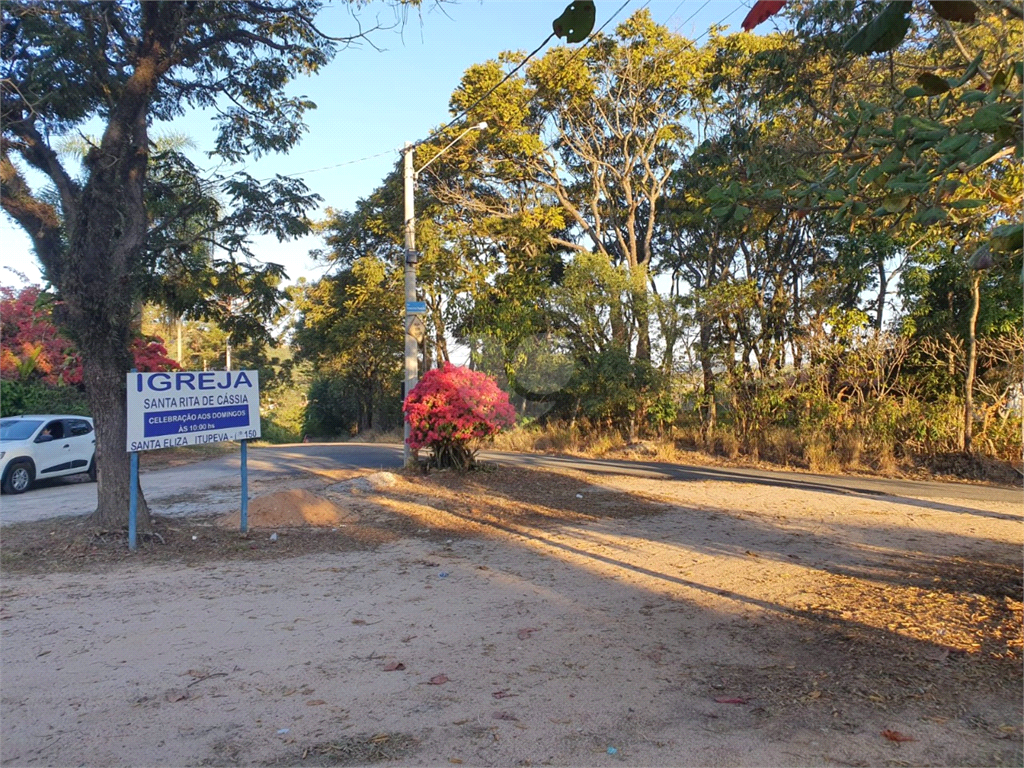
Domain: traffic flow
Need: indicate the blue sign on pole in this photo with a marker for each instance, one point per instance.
(195, 420)
(415, 307)
(167, 409)
(177, 408)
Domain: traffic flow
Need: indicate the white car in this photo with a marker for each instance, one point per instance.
(37, 447)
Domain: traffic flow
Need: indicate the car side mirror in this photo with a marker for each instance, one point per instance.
(44, 438)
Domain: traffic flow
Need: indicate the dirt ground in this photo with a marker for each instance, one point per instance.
(519, 617)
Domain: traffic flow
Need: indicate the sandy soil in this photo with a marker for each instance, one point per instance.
(523, 617)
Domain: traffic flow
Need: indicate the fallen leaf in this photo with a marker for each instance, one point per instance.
(173, 696)
(728, 700)
(454, 760)
(315, 702)
(394, 666)
(897, 736)
(936, 654)
(503, 716)
(524, 634)
(358, 621)
(501, 694)
(439, 680)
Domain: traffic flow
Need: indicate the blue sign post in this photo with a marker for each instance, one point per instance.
(181, 408)
(245, 489)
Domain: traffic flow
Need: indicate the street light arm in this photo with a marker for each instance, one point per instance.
(478, 127)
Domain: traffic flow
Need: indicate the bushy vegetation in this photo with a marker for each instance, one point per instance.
(21, 397)
(802, 246)
(449, 409)
(41, 370)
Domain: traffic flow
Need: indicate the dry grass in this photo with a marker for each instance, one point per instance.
(819, 455)
(377, 436)
(845, 452)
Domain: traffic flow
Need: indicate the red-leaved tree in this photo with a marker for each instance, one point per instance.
(34, 350)
(32, 347)
(452, 406)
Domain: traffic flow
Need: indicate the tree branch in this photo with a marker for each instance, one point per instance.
(37, 153)
(38, 219)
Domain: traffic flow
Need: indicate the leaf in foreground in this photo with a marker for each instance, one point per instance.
(896, 736)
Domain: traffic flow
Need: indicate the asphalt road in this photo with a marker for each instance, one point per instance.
(214, 485)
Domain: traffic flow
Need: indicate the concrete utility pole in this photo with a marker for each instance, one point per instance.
(410, 284)
(411, 257)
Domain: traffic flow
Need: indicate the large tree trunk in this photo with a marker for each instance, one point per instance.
(105, 248)
(104, 371)
(640, 302)
(972, 364)
(642, 318)
(709, 412)
(882, 286)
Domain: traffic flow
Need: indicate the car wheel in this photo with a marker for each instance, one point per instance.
(92, 470)
(18, 477)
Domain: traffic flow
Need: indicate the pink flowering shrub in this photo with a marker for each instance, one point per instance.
(451, 406)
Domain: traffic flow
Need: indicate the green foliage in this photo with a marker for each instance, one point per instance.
(331, 410)
(283, 405)
(618, 392)
(770, 228)
(350, 329)
(885, 31)
(128, 65)
(945, 155)
(662, 412)
(34, 396)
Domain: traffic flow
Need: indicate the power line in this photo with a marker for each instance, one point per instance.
(500, 83)
(719, 22)
(339, 165)
(521, 64)
(691, 17)
(464, 112)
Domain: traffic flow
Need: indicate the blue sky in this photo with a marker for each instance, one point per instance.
(372, 101)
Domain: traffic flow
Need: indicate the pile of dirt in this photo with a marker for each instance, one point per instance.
(291, 509)
(378, 481)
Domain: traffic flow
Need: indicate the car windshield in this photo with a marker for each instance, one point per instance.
(18, 429)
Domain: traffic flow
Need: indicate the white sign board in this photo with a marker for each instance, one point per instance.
(167, 410)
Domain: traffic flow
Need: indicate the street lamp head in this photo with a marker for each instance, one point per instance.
(481, 126)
